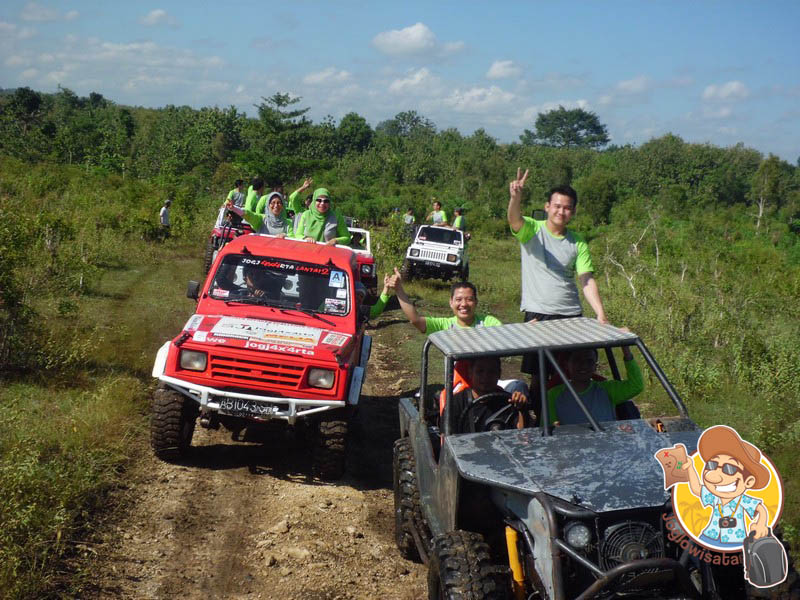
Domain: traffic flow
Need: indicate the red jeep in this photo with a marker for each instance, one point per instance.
(227, 227)
(276, 335)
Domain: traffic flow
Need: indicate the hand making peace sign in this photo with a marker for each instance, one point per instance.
(515, 187)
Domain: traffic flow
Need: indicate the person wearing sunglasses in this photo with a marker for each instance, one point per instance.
(732, 467)
(599, 397)
(273, 222)
(321, 223)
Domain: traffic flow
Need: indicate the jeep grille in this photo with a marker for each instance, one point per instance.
(433, 255)
(244, 371)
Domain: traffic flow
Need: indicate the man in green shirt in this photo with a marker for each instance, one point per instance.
(254, 194)
(463, 302)
(599, 397)
(236, 195)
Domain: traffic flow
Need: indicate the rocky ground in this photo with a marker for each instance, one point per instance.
(245, 520)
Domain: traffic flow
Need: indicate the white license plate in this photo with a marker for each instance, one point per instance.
(247, 408)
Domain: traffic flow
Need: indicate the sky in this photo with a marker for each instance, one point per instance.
(721, 72)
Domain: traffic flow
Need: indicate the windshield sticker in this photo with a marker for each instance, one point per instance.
(193, 323)
(336, 279)
(286, 267)
(268, 331)
(335, 339)
(335, 305)
(342, 293)
(200, 336)
(220, 293)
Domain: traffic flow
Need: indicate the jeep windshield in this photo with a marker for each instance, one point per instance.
(279, 283)
(439, 235)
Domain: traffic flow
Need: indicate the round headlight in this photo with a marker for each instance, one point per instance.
(577, 535)
(320, 378)
(366, 269)
(193, 361)
(414, 252)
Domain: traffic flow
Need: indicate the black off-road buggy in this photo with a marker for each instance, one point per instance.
(557, 512)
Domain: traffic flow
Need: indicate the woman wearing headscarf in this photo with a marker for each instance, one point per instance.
(273, 222)
(321, 223)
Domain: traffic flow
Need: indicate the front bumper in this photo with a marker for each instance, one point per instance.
(268, 407)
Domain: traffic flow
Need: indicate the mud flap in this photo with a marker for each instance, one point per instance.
(356, 381)
(366, 350)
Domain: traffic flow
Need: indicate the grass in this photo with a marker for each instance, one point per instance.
(66, 438)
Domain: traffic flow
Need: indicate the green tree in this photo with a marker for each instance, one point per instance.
(354, 133)
(574, 128)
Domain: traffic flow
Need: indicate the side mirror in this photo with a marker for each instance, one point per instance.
(193, 290)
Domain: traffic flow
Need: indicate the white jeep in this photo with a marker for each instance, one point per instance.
(437, 253)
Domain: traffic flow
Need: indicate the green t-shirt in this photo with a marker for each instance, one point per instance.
(433, 324)
(251, 203)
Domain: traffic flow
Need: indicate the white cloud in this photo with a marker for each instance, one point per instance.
(628, 91)
(33, 11)
(329, 75)
(158, 16)
(479, 100)
(723, 112)
(28, 74)
(503, 69)
(10, 31)
(15, 61)
(36, 12)
(417, 39)
(421, 79)
(637, 85)
(453, 47)
(732, 90)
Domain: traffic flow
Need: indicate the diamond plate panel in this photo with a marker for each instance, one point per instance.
(517, 338)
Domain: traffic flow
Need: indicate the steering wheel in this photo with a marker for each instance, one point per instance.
(504, 418)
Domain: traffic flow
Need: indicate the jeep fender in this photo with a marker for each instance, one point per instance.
(161, 360)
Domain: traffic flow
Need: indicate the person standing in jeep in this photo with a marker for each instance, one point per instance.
(551, 256)
(236, 195)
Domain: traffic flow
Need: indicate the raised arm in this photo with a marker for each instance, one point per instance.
(515, 219)
(409, 310)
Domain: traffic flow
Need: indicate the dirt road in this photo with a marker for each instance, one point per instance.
(244, 520)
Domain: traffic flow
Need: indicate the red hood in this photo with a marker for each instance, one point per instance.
(267, 336)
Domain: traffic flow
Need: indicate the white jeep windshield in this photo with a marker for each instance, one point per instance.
(451, 237)
(282, 283)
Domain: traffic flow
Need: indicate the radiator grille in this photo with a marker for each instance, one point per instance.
(245, 371)
(432, 255)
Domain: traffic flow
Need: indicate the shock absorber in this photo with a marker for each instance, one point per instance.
(518, 576)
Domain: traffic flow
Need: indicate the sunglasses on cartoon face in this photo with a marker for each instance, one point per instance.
(727, 468)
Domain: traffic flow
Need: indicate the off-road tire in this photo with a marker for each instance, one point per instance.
(407, 271)
(208, 259)
(465, 274)
(330, 445)
(407, 507)
(172, 420)
(461, 568)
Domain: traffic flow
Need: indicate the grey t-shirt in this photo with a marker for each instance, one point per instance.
(549, 264)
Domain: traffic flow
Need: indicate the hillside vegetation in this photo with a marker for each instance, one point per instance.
(696, 248)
